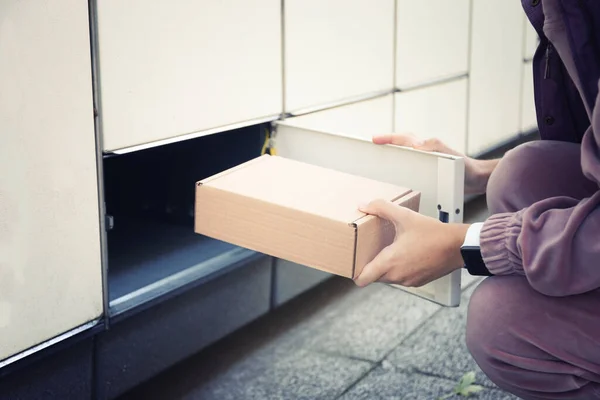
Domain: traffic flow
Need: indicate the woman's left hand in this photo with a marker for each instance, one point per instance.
(423, 250)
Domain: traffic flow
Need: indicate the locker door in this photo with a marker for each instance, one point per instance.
(175, 68)
(50, 267)
(337, 50)
(437, 111)
(495, 74)
(432, 40)
(339, 138)
(528, 115)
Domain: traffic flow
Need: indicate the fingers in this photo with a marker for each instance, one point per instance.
(382, 262)
(398, 140)
(383, 209)
(376, 268)
(437, 146)
(406, 140)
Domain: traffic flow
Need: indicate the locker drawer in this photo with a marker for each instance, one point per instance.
(336, 50)
(344, 144)
(174, 68)
(432, 40)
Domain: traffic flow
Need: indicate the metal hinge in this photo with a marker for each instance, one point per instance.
(109, 222)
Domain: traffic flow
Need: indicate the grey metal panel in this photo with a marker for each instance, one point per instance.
(292, 279)
(142, 346)
(63, 375)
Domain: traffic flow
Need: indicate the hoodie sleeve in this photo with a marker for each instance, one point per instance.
(554, 243)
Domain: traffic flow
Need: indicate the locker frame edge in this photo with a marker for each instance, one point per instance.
(96, 88)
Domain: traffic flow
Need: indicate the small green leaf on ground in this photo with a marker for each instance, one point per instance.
(465, 387)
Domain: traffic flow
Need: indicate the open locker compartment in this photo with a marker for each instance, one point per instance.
(340, 138)
(153, 250)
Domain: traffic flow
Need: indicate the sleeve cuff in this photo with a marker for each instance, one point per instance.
(498, 238)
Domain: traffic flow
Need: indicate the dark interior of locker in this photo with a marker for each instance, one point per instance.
(152, 247)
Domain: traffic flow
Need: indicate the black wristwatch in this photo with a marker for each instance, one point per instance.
(471, 252)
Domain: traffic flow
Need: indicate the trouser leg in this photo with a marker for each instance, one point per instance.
(536, 171)
(532, 345)
(536, 346)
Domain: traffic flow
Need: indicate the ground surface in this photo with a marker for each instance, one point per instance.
(336, 342)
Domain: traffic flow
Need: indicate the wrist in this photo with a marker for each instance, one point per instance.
(457, 235)
(483, 170)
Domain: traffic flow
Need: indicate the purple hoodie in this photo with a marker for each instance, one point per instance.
(555, 243)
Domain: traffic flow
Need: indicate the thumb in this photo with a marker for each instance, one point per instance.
(376, 268)
(383, 209)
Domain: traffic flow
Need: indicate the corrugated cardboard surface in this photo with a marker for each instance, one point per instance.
(298, 212)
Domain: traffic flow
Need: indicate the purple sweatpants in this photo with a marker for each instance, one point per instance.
(527, 343)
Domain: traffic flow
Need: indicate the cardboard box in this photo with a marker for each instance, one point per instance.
(298, 212)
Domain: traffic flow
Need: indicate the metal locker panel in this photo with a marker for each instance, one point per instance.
(138, 348)
(531, 41)
(292, 279)
(432, 40)
(439, 177)
(495, 74)
(343, 120)
(50, 267)
(174, 68)
(528, 114)
(437, 111)
(337, 50)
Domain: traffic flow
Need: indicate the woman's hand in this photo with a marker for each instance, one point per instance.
(423, 250)
(477, 172)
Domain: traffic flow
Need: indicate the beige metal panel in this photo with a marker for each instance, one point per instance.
(531, 40)
(361, 119)
(495, 73)
(528, 115)
(336, 50)
(50, 268)
(437, 111)
(171, 68)
(432, 40)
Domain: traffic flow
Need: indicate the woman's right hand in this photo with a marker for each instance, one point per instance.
(477, 172)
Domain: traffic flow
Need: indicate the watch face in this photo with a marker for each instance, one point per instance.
(474, 261)
(470, 254)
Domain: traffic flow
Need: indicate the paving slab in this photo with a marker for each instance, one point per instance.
(298, 374)
(439, 348)
(391, 384)
(367, 325)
